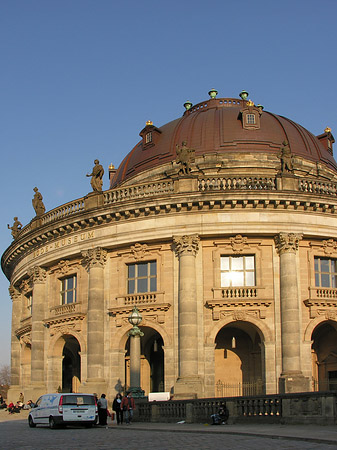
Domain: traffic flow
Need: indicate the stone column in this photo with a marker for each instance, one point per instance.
(135, 335)
(291, 379)
(95, 260)
(15, 343)
(38, 278)
(189, 382)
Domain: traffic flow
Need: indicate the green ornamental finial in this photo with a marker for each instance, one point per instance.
(244, 95)
(188, 105)
(213, 93)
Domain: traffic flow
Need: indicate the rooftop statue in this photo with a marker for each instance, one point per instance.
(286, 158)
(96, 177)
(17, 225)
(185, 156)
(38, 203)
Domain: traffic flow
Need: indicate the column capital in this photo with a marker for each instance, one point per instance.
(14, 292)
(187, 244)
(37, 275)
(287, 242)
(94, 257)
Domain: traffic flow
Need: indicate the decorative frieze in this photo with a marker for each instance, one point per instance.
(329, 246)
(37, 275)
(187, 244)
(94, 257)
(287, 242)
(14, 292)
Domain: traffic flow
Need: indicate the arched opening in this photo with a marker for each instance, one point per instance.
(71, 364)
(152, 361)
(324, 356)
(238, 360)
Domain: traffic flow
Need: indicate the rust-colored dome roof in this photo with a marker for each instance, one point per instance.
(216, 125)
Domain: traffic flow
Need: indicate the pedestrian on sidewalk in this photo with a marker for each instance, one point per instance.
(102, 410)
(128, 406)
(117, 407)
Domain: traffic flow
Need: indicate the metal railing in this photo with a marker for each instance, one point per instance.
(239, 389)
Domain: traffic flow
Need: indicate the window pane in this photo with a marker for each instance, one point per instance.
(237, 262)
(250, 279)
(142, 285)
(153, 268)
(142, 269)
(131, 271)
(224, 263)
(62, 298)
(249, 262)
(316, 264)
(325, 266)
(153, 284)
(70, 297)
(333, 281)
(70, 283)
(237, 279)
(325, 279)
(131, 287)
(225, 279)
(317, 279)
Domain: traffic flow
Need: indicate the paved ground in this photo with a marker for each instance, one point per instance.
(14, 432)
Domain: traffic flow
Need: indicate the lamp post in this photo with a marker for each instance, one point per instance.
(135, 319)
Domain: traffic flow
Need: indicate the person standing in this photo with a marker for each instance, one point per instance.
(117, 407)
(128, 406)
(102, 410)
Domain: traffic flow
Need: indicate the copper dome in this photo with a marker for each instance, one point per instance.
(216, 126)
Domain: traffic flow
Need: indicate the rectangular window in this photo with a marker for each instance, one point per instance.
(237, 270)
(148, 137)
(325, 272)
(142, 277)
(250, 119)
(68, 290)
(29, 302)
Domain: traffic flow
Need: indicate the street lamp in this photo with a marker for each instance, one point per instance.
(135, 334)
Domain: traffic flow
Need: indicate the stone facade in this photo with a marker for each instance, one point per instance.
(170, 243)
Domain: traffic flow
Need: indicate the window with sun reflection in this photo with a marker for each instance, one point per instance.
(237, 270)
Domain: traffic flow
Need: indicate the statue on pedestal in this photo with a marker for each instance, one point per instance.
(96, 177)
(38, 203)
(17, 225)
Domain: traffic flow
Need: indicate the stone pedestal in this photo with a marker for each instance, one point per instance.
(93, 200)
(188, 387)
(293, 382)
(287, 182)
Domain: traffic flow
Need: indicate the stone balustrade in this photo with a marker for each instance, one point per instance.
(301, 408)
(138, 191)
(317, 187)
(236, 183)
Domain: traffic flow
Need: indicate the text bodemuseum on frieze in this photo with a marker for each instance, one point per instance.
(208, 268)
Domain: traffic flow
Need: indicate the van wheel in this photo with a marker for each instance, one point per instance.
(52, 423)
(31, 422)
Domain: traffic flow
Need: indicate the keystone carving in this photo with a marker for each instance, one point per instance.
(188, 244)
(94, 257)
(139, 250)
(287, 242)
(329, 246)
(238, 243)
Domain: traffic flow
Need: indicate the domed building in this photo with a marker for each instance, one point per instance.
(207, 269)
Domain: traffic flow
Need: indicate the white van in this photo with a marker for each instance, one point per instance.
(64, 409)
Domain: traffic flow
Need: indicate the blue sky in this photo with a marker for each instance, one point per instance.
(79, 79)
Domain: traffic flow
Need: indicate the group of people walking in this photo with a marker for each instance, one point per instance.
(122, 406)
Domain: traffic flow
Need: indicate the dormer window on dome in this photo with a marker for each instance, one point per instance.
(327, 139)
(250, 116)
(150, 135)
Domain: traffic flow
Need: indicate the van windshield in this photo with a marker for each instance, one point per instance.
(78, 400)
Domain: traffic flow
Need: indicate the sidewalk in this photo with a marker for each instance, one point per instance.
(311, 433)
